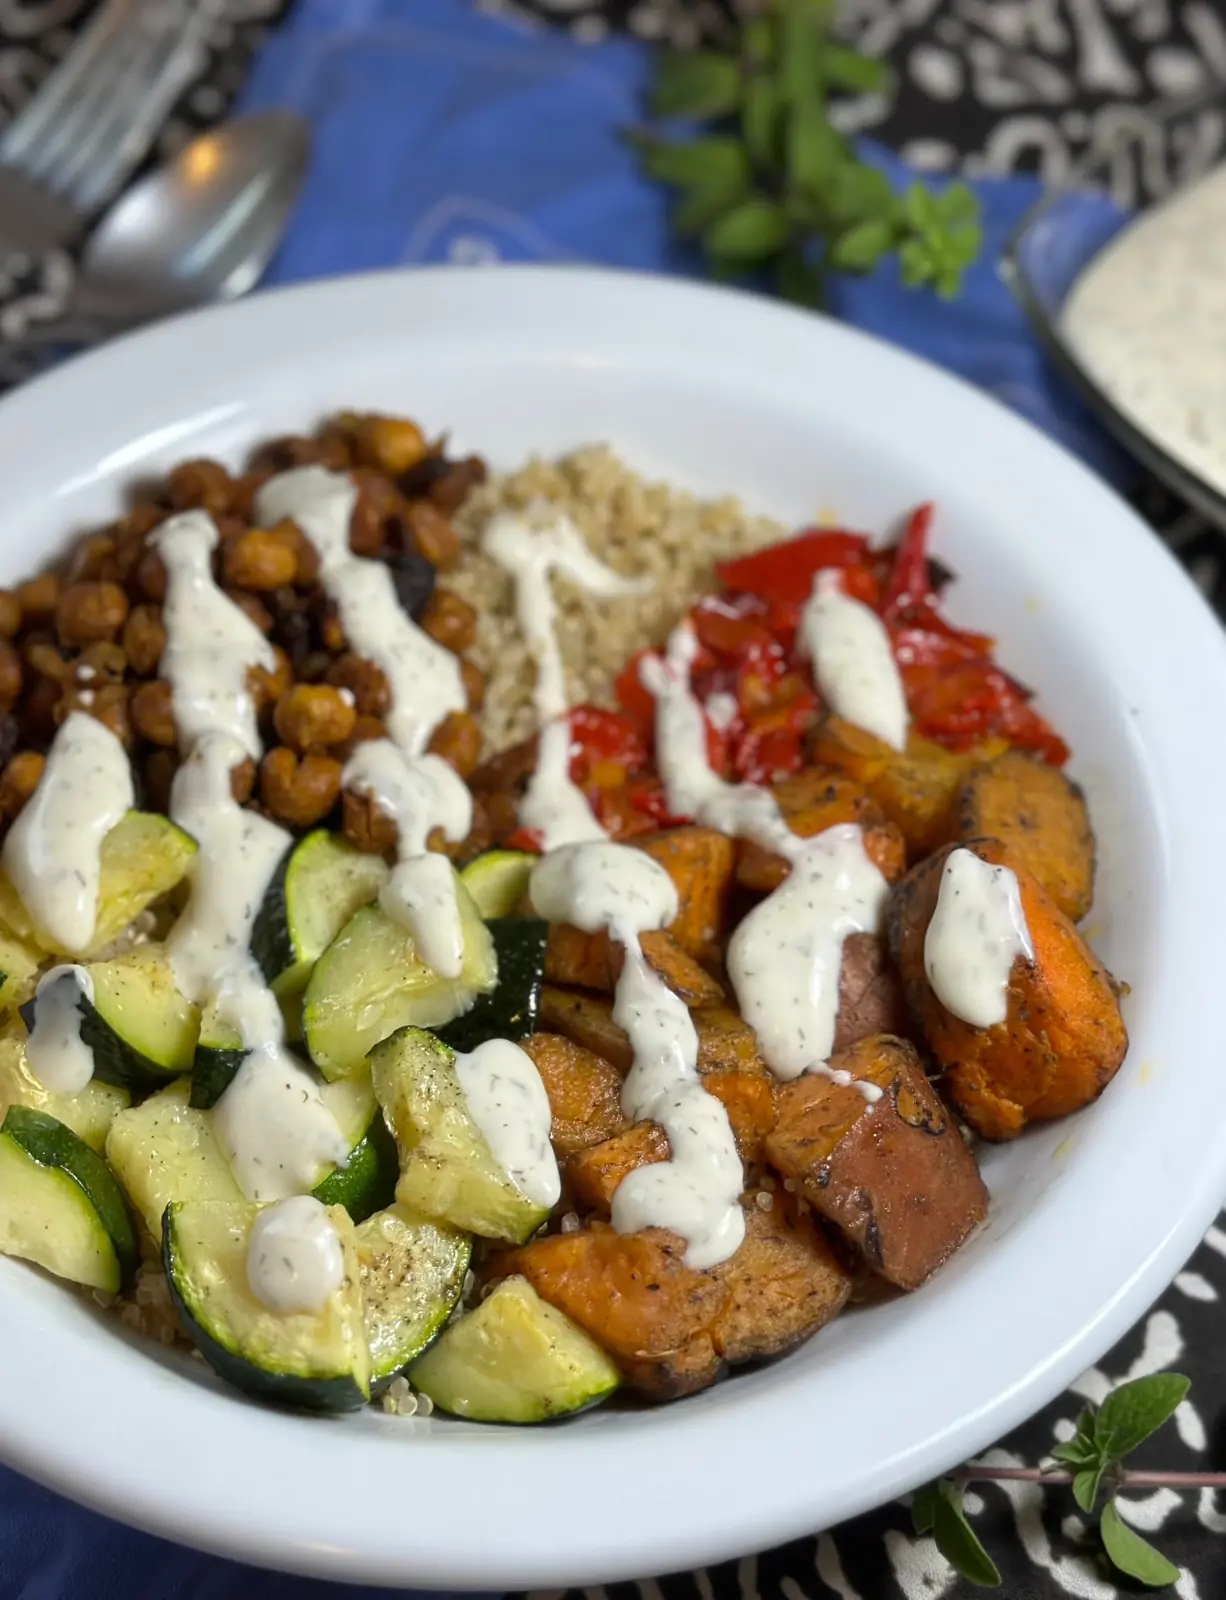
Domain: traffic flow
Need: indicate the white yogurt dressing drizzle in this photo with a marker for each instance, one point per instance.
(697, 1192)
(272, 1122)
(53, 852)
(294, 1256)
(977, 931)
(853, 661)
(553, 806)
(507, 1101)
(785, 958)
(55, 1052)
(418, 792)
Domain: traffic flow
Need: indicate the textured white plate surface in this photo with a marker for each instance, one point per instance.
(1090, 1218)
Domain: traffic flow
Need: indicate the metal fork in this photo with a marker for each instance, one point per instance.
(95, 118)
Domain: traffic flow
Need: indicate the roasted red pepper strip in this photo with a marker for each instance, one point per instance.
(908, 588)
(602, 738)
(525, 839)
(785, 571)
(636, 701)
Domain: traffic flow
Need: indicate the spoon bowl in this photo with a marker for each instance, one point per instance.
(200, 229)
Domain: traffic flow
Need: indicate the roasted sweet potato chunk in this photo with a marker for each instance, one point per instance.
(870, 994)
(636, 1297)
(1039, 815)
(593, 1175)
(588, 1020)
(750, 1106)
(701, 864)
(584, 1093)
(784, 1283)
(916, 788)
(594, 961)
(812, 801)
(726, 1043)
(1063, 1037)
(894, 1175)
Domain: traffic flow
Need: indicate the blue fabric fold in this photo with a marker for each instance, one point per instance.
(446, 136)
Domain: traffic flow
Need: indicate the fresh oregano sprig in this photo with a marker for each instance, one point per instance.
(1091, 1463)
(768, 182)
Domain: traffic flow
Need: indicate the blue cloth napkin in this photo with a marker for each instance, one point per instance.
(445, 136)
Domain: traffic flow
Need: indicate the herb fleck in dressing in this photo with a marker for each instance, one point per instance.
(1148, 320)
(294, 1256)
(507, 1101)
(55, 1052)
(977, 931)
(53, 852)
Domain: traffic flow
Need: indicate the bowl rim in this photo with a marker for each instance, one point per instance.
(389, 1538)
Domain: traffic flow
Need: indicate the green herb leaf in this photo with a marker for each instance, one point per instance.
(1132, 1554)
(753, 230)
(924, 1506)
(860, 193)
(1077, 1453)
(861, 247)
(801, 48)
(758, 40)
(761, 111)
(849, 69)
(702, 207)
(957, 204)
(1086, 1485)
(815, 150)
(701, 164)
(915, 261)
(700, 84)
(1132, 1412)
(799, 281)
(959, 1543)
(921, 209)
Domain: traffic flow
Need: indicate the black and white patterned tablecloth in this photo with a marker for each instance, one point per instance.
(985, 86)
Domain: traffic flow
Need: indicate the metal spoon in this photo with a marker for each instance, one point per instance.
(200, 229)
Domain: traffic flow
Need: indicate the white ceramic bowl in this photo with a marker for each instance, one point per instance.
(1090, 1217)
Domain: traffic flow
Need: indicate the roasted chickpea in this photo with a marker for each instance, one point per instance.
(364, 730)
(10, 613)
(93, 559)
(144, 639)
(478, 838)
(44, 656)
(449, 489)
(313, 716)
(242, 781)
(432, 536)
(153, 713)
(243, 491)
(10, 675)
(299, 792)
(394, 444)
(366, 682)
(107, 705)
(378, 502)
(279, 455)
(158, 773)
(89, 611)
(38, 705)
(129, 535)
(306, 574)
(101, 662)
(266, 687)
(19, 780)
(450, 620)
(253, 607)
(365, 826)
(38, 599)
(150, 576)
(260, 559)
(204, 484)
(331, 634)
(458, 741)
(473, 679)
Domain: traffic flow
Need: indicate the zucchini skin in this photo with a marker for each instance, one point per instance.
(214, 1068)
(288, 1390)
(115, 1061)
(368, 1183)
(512, 1010)
(51, 1144)
(270, 943)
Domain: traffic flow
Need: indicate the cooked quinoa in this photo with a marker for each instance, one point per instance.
(638, 528)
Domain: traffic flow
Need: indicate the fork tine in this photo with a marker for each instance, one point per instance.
(121, 141)
(61, 87)
(117, 72)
